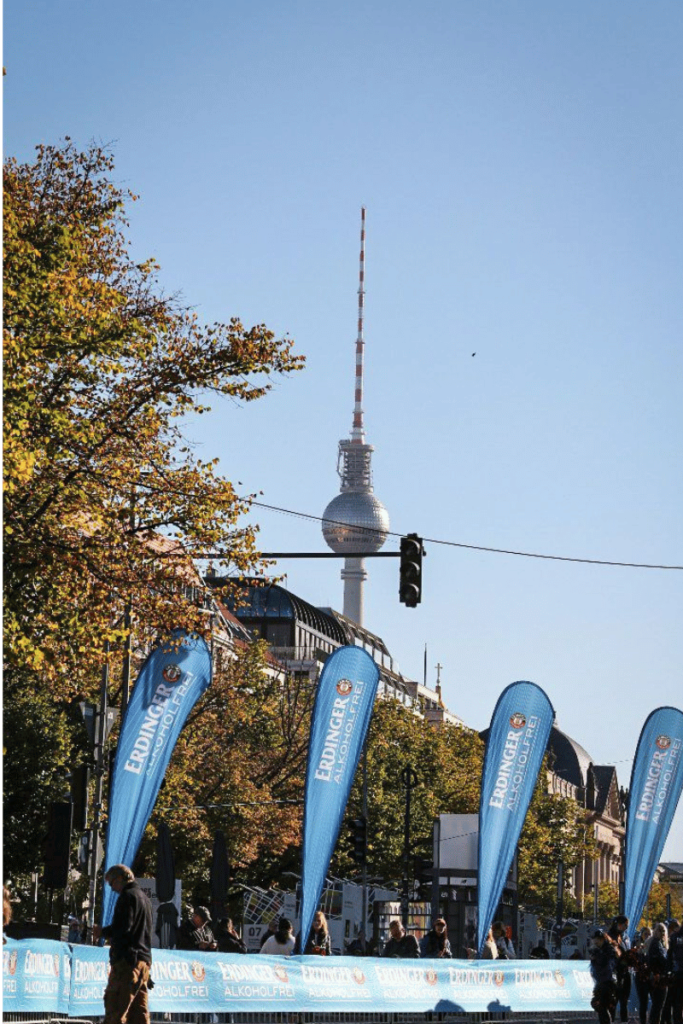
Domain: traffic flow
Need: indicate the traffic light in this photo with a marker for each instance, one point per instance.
(424, 877)
(80, 777)
(410, 571)
(359, 840)
(57, 846)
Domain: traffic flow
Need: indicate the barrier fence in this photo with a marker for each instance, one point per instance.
(46, 980)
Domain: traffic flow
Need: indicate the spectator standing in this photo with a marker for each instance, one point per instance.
(282, 942)
(656, 951)
(401, 945)
(675, 965)
(272, 928)
(539, 952)
(489, 952)
(618, 934)
(130, 953)
(319, 942)
(506, 951)
(603, 956)
(641, 973)
(75, 930)
(435, 944)
(196, 932)
(227, 938)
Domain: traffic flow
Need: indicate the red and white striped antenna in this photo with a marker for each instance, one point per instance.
(357, 431)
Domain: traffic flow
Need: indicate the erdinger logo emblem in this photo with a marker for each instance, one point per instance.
(358, 976)
(55, 964)
(172, 673)
(281, 973)
(498, 978)
(198, 972)
(559, 978)
(12, 962)
(518, 721)
(344, 687)
(663, 742)
(431, 977)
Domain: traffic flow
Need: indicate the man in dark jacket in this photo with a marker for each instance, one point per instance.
(227, 938)
(130, 953)
(196, 933)
(401, 945)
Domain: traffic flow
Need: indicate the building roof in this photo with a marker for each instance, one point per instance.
(571, 762)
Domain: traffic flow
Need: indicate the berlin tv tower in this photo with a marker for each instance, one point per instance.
(356, 521)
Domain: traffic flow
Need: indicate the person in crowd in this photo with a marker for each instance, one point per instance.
(672, 1011)
(401, 945)
(130, 952)
(619, 934)
(272, 928)
(356, 947)
(641, 973)
(319, 943)
(603, 955)
(75, 930)
(435, 944)
(282, 942)
(506, 951)
(539, 952)
(489, 952)
(656, 952)
(196, 932)
(227, 938)
(6, 911)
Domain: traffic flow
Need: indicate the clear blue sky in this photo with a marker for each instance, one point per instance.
(521, 167)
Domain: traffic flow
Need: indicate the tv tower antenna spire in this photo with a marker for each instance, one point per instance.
(357, 431)
(356, 521)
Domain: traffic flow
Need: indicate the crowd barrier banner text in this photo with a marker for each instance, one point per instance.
(37, 976)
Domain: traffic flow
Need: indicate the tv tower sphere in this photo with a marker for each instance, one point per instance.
(354, 522)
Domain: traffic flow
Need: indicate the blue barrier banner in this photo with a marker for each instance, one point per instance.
(170, 682)
(218, 983)
(518, 735)
(36, 976)
(654, 792)
(343, 707)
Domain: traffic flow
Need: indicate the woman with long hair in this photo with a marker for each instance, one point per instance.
(656, 950)
(319, 942)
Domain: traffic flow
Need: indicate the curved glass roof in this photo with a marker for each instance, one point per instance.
(257, 601)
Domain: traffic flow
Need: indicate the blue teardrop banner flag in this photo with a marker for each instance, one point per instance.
(170, 682)
(518, 735)
(341, 715)
(656, 784)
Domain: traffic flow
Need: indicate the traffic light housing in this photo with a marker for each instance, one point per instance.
(424, 877)
(57, 846)
(410, 570)
(80, 779)
(359, 840)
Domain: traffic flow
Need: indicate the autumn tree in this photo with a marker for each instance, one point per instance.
(447, 762)
(554, 830)
(100, 368)
(239, 766)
